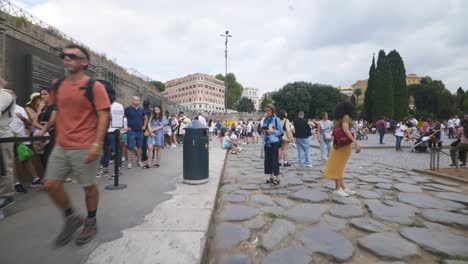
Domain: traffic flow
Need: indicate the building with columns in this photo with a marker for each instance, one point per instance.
(252, 94)
(197, 92)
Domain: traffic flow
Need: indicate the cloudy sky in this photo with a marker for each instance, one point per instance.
(274, 41)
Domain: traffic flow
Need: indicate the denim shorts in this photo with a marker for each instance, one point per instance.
(135, 137)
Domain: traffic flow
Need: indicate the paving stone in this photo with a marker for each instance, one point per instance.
(237, 259)
(383, 192)
(306, 213)
(332, 223)
(230, 188)
(429, 202)
(296, 188)
(278, 231)
(266, 186)
(365, 187)
(444, 217)
(368, 224)
(464, 212)
(436, 241)
(347, 211)
(308, 195)
(407, 181)
(291, 255)
(330, 186)
(439, 227)
(368, 194)
(389, 245)
(443, 187)
(234, 198)
(242, 192)
(446, 182)
(309, 178)
(391, 262)
(230, 235)
(432, 189)
(237, 213)
(455, 197)
(406, 206)
(255, 223)
(277, 192)
(419, 179)
(292, 180)
(346, 200)
(385, 186)
(327, 242)
(262, 199)
(275, 210)
(396, 214)
(250, 187)
(373, 179)
(283, 202)
(404, 187)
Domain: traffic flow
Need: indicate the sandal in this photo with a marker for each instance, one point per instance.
(270, 181)
(156, 165)
(275, 182)
(146, 167)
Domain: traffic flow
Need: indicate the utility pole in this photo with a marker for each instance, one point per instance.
(226, 35)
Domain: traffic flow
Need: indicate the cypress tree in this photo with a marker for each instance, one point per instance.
(369, 93)
(383, 105)
(399, 85)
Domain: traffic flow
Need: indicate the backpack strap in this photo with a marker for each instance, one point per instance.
(89, 92)
(7, 109)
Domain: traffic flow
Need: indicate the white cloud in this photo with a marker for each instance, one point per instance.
(274, 42)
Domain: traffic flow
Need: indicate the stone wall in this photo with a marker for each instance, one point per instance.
(51, 41)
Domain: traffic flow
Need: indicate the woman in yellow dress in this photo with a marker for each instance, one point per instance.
(339, 156)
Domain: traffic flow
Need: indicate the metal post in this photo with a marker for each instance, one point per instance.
(438, 159)
(116, 185)
(226, 35)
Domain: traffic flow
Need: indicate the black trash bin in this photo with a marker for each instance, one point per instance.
(195, 155)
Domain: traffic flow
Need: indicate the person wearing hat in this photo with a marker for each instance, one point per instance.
(33, 108)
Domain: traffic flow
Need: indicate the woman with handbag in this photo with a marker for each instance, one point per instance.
(272, 130)
(325, 128)
(341, 148)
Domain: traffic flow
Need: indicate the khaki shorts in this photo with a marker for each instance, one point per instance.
(63, 162)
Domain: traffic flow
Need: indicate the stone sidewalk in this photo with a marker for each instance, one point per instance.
(397, 215)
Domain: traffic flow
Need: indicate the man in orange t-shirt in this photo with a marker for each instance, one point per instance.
(81, 128)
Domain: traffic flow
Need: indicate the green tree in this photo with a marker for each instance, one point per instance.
(265, 101)
(432, 99)
(234, 89)
(369, 94)
(245, 105)
(159, 85)
(310, 98)
(383, 104)
(400, 90)
(357, 92)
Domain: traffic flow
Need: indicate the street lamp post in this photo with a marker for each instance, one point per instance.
(226, 35)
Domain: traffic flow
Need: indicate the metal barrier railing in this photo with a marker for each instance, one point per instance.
(434, 158)
(115, 186)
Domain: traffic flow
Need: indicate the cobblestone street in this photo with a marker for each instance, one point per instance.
(397, 216)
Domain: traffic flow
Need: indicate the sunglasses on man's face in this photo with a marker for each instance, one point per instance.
(71, 56)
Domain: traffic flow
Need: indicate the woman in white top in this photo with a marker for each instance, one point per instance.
(324, 129)
(211, 126)
(399, 134)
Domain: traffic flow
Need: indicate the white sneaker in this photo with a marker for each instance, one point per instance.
(129, 166)
(141, 164)
(340, 193)
(348, 191)
(241, 149)
(173, 146)
(123, 159)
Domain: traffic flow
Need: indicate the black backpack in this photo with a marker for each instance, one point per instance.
(89, 89)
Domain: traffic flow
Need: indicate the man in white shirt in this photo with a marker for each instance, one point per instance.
(414, 122)
(451, 127)
(7, 110)
(116, 115)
